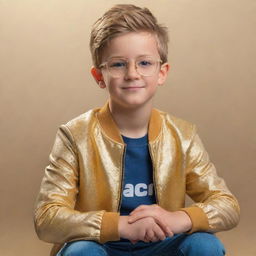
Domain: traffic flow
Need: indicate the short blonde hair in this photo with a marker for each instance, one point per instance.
(122, 19)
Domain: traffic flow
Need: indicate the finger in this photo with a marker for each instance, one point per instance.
(139, 208)
(159, 234)
(150, 235)
(154, 239)
(146, 239)
(158, 220)
(163, 226)
(142, 213)
(141, 233)
(138, 216)
(169, 232)
(154, 208)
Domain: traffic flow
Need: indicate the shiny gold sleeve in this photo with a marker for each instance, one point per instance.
(55, 218)
(215, 207)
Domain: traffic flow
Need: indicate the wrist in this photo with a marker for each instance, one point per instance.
(122, 225)
(187, 223)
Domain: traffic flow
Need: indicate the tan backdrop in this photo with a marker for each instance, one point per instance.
(45, 81)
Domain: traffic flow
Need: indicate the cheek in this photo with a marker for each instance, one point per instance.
(105, 77)
(153, 81)
(112, 83)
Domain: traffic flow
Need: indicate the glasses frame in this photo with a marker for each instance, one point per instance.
(104, 64)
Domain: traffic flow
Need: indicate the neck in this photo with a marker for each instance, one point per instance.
(132, 122)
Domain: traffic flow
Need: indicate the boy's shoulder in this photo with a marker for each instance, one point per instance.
(82, 119)
(182, 127)
(78, 125)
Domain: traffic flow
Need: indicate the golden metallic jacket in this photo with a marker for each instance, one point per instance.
(81, 191)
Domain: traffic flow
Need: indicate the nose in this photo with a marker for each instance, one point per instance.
(131, 72)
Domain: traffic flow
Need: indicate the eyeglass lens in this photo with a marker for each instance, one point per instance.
(145, 66)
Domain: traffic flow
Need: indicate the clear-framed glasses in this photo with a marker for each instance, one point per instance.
(145, 66)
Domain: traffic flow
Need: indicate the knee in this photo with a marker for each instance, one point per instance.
(203, 244)
(83, 248)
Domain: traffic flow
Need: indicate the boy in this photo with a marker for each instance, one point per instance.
(118, 175)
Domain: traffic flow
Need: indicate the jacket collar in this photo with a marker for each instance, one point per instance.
(109, 126)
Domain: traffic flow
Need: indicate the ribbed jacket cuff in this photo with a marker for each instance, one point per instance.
(198, 218)
(109, 227)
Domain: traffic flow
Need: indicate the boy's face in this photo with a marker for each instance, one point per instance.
(129, 88)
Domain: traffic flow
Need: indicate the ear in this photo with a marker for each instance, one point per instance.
(163, 73)
(98, 77)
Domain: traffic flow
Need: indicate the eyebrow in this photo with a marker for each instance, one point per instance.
(122, 57)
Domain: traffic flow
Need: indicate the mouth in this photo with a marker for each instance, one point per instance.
(132, 87)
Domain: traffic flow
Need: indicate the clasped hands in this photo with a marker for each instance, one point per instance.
(151, 223)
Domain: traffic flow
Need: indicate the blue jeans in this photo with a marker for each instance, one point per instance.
(196, 244)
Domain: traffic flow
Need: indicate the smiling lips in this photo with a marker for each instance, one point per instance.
(132, 87)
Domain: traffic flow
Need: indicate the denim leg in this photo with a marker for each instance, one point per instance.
(82, 248)
(167, 247)
(201, 244)
(196, 244)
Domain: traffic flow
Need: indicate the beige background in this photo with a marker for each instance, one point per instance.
(45, 81)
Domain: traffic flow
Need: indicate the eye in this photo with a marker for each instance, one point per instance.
(117, 64)
(145, 63)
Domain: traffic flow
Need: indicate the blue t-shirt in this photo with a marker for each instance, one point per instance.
(138, 175)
